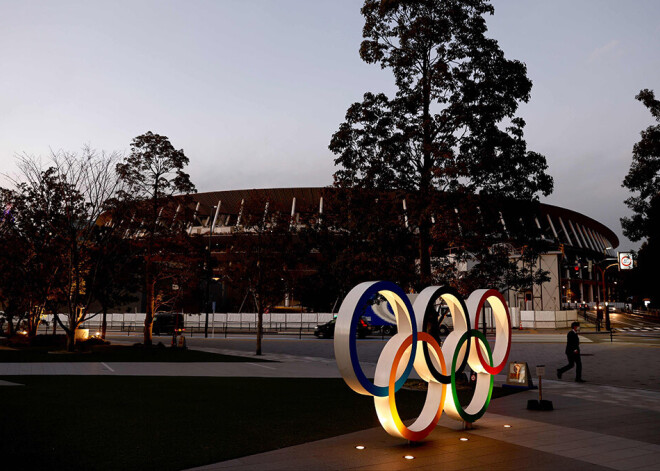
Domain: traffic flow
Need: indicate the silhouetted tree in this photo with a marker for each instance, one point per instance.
(30, 263)
(363, 236)
(643, 180)
(55, 212)
(451, 128)
(153, 172)
(263, 250)
(118, 274)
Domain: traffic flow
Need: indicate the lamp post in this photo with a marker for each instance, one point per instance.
(208, 277)
(602, 275)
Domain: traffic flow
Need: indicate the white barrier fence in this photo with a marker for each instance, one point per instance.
(217, 321)
(547, 319)
(132, 322)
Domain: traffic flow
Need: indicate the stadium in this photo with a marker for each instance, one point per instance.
(578, 245)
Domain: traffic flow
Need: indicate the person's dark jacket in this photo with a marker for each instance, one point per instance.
(572, 343)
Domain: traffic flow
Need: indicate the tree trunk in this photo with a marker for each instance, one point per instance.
(104, 324)
(10, 327)
(34, 325)
(424, 254)
(148, 324)
(149, 317)
(426, 186)
(31, 325)
(71, 340)
(260, 325)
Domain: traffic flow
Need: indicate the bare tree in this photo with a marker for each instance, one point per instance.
(57, 210)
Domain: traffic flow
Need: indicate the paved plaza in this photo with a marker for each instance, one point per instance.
(610, 422)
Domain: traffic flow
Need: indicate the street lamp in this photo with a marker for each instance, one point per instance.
(602, 275)
(209, 273)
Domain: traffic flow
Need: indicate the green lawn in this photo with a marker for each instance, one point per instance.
(117, 353)
(114, 422)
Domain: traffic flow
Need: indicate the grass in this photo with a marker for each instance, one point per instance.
(115, 353)
(114, 422)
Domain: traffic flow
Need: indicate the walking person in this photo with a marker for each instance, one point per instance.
(573, 353)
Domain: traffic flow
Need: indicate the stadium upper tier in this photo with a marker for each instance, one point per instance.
(219, 211)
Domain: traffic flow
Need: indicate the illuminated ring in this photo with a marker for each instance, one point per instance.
(399, 354)
(497, 303)
(345, 343)
(386, 409)
(484, 388)
(425, 303)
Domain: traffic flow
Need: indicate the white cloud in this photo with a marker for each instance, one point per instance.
(611, 50)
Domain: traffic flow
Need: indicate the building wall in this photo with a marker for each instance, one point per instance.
(547, 297)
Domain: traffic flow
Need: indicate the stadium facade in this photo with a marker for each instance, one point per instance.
(579, 244)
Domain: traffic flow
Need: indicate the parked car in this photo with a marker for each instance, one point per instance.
(447, 321)
(443, 329)
(327, 330)
(167, 323)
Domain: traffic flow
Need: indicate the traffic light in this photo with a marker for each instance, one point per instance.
(576, 267)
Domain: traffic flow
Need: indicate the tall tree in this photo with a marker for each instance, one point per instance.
(263, 250)
(451, 127)
(153, 172)
(643, 180)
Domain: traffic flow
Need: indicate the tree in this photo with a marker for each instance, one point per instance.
(29, 262)
(153, 172)
(451, 130)
(263, 251)
(117, 278)
(643, 180)
(362, 236)
(54, 214)
(90, 183)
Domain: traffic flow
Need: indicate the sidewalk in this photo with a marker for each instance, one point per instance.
(593, 427)
(562, 439)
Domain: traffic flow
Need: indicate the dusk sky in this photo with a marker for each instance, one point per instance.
(252, 90)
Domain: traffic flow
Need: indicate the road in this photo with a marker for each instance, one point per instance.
(634, 324)
(629, 360)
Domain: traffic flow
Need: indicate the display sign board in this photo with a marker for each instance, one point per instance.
(625, 261)
(518, 375)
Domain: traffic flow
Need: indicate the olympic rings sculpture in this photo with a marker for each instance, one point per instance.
(412, 347)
